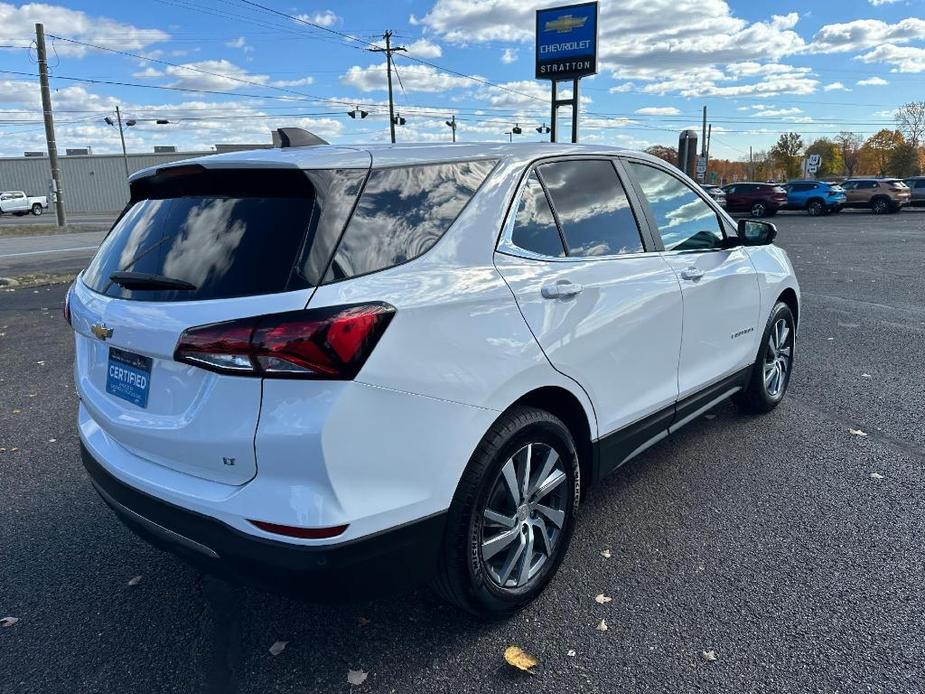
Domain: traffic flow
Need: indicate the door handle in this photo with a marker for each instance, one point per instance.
(560, 290)
(691, 273)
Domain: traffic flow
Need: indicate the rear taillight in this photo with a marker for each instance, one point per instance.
(331, 343)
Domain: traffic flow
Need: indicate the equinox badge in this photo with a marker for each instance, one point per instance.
(101, 331)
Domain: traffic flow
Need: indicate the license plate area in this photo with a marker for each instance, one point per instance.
(128, 376)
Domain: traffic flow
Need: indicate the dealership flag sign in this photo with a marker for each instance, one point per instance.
(566, 42)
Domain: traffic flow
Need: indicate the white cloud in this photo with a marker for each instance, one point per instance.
(658, 111)
(653, 35)
(326, 18)
(872, 82)
(223, 75)
(422, 48)
(302, 82)
(877, 3)
(620, 88)
(865, 33)
(239, 42)
(103, 31)
(148, 73)
(835, 87)
(414, 78)
(772, 113)
(509, 56)
(903, 58)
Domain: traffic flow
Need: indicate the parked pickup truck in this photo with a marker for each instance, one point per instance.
(17, 202)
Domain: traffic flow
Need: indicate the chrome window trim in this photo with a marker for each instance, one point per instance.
(507, 246)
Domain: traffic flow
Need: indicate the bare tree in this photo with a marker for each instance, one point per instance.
(849, 143)
(910, 118)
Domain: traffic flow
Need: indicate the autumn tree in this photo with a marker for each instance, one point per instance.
(830, 153)
(874, 155)
(910, 121)
(904, 161)
(849, 143)
(786, 154)
(665, 153)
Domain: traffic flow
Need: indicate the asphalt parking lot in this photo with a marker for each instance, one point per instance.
(788, 545)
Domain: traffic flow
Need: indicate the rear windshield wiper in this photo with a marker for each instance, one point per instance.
(147, 280)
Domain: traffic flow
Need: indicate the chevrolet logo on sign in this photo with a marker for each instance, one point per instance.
(566, 23)
(101, 331)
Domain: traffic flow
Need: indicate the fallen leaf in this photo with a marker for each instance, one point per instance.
(519, 658)
(866, 376)
(607, 554)
(601, 599)
(356, 677)
(278, 647)
(16, 411)
(830, 338)
(876, 476)
(14, 449)
(710, 656)
(571, 653)
(41, 363)
(602, 626)
(8, 621)
(134, 581)
(857, 432)
(52, 440)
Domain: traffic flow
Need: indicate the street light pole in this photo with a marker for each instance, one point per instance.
(122, 137)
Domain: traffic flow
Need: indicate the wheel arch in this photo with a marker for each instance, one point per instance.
(813, 199)
(789, 297)
(562, 403)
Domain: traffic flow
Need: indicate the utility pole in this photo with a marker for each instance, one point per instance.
(703, 137)
(122, 136)
(452, 124)
(751, 165)
(49, 123)
(388, 50)
(707, 160)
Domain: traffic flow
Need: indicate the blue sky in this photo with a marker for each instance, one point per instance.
(228, 71)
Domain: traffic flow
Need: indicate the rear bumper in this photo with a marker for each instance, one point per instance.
(386, 562)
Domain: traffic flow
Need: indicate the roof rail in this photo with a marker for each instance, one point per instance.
(296, 137)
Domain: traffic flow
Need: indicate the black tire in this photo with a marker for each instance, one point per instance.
(758, 397)
(759, 210)
(37, 209)
(815, 208)
(880, 205)
(465, 577)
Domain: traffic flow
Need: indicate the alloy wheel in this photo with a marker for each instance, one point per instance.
(778, 358)
(524, 516)
(758, 210)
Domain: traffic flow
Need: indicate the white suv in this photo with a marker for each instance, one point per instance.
(340, 368)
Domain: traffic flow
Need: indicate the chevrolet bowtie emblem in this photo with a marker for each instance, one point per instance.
(101, 331)
(566, 23)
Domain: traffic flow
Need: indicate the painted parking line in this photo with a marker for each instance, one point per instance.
(53, 250)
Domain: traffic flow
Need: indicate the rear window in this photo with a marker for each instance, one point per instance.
(228, 233)
(402, 213)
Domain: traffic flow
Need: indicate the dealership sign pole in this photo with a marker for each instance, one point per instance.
(566, 49)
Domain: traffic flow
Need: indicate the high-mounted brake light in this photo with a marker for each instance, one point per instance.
(331, 343)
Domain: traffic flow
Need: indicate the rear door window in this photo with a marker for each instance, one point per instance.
(402, 213)
(592, 207)
(228, 233)
(535, 228)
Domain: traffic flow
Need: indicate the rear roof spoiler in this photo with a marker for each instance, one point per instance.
(296, 137)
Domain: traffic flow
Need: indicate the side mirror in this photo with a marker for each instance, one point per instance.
(755, 233)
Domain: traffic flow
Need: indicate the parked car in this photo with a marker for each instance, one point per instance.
(716, 193)
(396, 364)
(816, 197)
(916, 185)
(880, 195)
(17, 202)
(757, 199)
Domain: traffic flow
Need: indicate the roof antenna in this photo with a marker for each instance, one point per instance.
(296, 137)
